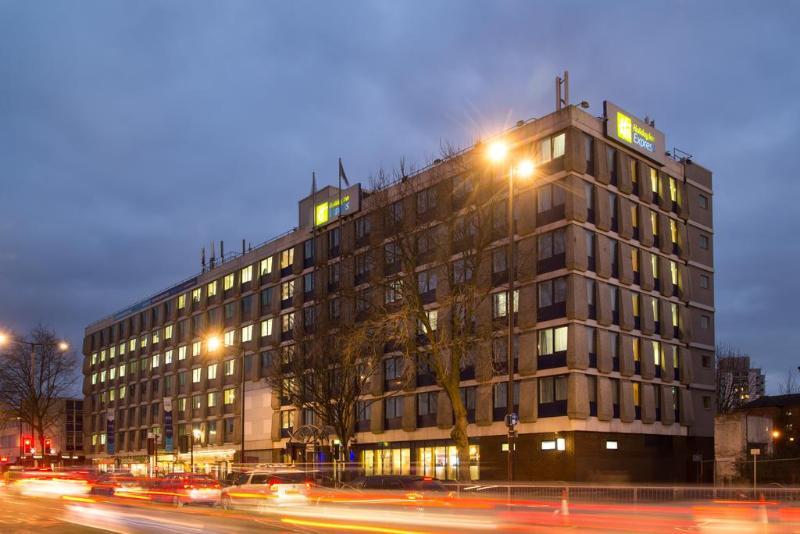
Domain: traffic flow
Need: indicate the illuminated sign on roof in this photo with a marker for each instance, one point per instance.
(623, 127)
(328, 204)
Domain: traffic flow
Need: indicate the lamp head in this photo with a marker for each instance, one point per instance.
(497, 151)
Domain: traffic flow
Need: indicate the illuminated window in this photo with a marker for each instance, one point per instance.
(112, 352)
(211, 288)
(94, 378)
(654, 222)
(168, 331)
(102, 376)
(230, 396)
(196, 295)
(212, 371)
(122, 370)
(287, 322)
(197, 373)
(196, 348)
(122, 349)
(500, 302)
(287, 258)
(636, 393)
(612, 445)
(121, 392)
(182, 353)
(658, 355)
(142, 343)
(229, 338)
(656, 316)
(266, 327)
(673, 189)
(265, 267)
(552, 147)
(112, 393)
(287, 290)
(673, 230)
(168, 357)
(132, 344)
(247, 274)
(212, 399)
(182, 301)
(156, 358)
(635, 348)
(247, 333)
(156, 337)
(112, 373)
(230, 367)
(552, 340)
(433, 319)
(94, 358)
(102, 355)
(654, 265)
(227, 282)
(653, 180)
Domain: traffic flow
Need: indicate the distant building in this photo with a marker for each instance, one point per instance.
(741, 382)
(784, 412)
(735, 435)
(64, 437)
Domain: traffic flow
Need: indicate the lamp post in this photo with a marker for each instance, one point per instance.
(21, 449)
(195, 437)
(213, 343)
(62, 347)
(498, 152)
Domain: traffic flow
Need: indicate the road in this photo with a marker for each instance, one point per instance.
(20, 514)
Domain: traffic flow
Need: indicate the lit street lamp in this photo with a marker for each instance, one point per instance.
(498, 152)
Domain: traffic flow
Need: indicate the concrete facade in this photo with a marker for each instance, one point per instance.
(633, 367)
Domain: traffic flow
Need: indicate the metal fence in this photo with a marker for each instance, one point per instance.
(626, 494)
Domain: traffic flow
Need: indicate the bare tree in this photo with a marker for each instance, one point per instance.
(34, 375)
(735, 382)
(790, 384)
(434, 276)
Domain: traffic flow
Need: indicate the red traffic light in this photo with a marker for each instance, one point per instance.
(3, 459)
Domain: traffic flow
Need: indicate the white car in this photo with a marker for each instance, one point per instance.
(262, 489)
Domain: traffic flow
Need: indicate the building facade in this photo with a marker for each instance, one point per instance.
(63, 439)
(614, 326)
(739, 381)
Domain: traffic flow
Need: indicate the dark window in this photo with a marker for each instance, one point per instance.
(308, 253)
(394, 412)
(552, 299)
(611, 160)
(394, 216)
(588, 193)
(553, 396)
(500, 400)
(334, 242)
(266, 300)
(426, 200)
(361, 268)
(591, 385)
(551, 251)
(590, 250)
(308, 285)
(362, 230)
(591, 301)
(334, 273)
(362, 416)
(468, 397)
(588, 153)
(427, 404)
(550, 202)
(247, 307)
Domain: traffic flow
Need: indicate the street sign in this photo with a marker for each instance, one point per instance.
(755, 452)
(512, 420)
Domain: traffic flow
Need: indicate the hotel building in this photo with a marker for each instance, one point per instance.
(614, 329)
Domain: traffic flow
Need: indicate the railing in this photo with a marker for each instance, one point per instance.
(625, 494)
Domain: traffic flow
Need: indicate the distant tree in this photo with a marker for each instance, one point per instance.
(733, 388)
(30, 387)
(790, 383)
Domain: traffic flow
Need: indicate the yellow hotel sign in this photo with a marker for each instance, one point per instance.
(623, 126)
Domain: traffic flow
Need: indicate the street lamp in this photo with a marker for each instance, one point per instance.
(195, 437)
(213, 344)
(498, 153)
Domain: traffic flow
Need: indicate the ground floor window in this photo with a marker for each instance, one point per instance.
(438, 461)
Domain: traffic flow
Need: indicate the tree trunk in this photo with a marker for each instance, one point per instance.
(460, 439)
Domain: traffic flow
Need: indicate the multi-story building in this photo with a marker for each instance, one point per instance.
(738, 381)
(614, 327)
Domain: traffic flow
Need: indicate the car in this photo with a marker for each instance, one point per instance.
(111, 484)
(186, 488)
(50, 484)
(263, 488)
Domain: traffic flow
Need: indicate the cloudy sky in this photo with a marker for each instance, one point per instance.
(134, 133)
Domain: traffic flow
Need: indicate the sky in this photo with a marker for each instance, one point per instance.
(134, 133)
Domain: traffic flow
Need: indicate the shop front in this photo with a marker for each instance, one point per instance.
(434, 459)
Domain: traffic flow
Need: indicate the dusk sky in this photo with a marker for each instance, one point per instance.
(134, 133)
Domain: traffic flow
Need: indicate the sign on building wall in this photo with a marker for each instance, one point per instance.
(110, 449)
(329, 204)
(624, 128)
(168, 424)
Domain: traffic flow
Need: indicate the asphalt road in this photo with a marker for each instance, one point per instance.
(23, 514)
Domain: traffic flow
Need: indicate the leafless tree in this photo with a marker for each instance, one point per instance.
(734, 381)
(31, 386)
(434, 274)
(790, 384)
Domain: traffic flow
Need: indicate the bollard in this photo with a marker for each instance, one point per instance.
(763, 516)
(564, 503)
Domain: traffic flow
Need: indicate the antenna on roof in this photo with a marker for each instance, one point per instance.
(213, 255)
(221, 251)
(203, 260)
(242, 247)
(562, 97)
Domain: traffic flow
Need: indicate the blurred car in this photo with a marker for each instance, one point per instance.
(186, 488)
(111, 484)
(50, 484)
(259, 489)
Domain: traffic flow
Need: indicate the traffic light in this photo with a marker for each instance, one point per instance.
(26, 442)
(48, 445)
(151, 446)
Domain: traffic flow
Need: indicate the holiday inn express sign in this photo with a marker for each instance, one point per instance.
(329, 204)
(623, 127)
